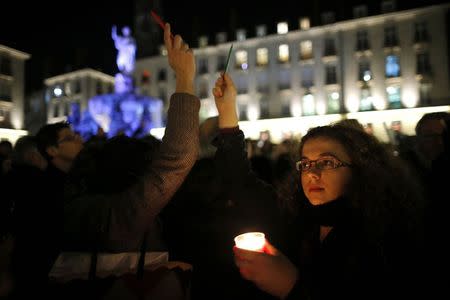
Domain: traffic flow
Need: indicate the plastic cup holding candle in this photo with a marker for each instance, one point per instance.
(253, 241)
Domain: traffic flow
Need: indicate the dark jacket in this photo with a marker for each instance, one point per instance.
(346, 265)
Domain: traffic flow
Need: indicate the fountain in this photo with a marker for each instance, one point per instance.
(124, 111)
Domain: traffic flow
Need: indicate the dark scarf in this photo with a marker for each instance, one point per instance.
(328, 214)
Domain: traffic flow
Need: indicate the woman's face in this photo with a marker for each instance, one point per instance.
(322, 186)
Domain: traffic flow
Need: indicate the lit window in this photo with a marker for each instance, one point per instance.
(283, 53)
(308, 104)
(333, 106)
(366, 99)
(392, 66)
(282, 28)
(306, 50)
(364, 72)
(262, 56)
(162, 50)
(241, 60)
(304, 23)
(394, 96)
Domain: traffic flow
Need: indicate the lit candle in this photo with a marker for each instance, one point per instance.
(253, 241)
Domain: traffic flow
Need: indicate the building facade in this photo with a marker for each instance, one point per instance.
(378, 69)
(12, 90)
(68, 94)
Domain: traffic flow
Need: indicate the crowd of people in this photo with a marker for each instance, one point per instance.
(344, 215)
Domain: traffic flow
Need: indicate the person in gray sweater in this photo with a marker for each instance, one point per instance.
(115, 190)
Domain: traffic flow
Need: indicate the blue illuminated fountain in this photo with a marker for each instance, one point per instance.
(124, 111)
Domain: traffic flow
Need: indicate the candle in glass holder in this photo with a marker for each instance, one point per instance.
(253, 241)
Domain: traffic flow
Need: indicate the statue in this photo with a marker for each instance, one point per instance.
(124, 111)
(126, 46)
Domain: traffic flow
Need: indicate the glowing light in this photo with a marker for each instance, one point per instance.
(367, 76)
(379, 103)
(262, 56)
(282, 28)
(321, 108)
(253, 241)
(391, 90)
(410, 98)
(335, 95)
(57, 91)
(252, 112)
(244, 66)
(283, 53)
(352, 104)
(296, 109)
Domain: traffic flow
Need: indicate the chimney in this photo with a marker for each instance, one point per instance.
(203, 41)
(221, 37)
(304, 23)
(359, 11)
(261, 30)
(241, 35)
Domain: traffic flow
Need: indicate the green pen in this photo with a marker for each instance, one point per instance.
(228, 60)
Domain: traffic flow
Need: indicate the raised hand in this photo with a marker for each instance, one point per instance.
(181, 60)
(225, 93)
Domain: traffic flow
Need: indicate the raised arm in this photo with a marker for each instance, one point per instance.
(181, 60)
(114, 32)
(125, 216)
(231, 159)
(180, 144)
(225, 98)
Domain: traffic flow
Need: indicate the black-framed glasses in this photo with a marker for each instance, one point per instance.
(323, 163)
(69, 138)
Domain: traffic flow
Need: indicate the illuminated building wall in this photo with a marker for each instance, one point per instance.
(391, 61)
(12, 89)
(70, 91)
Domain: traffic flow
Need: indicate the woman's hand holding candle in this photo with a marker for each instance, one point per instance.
(270, 270)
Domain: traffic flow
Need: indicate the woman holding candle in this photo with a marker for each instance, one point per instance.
(358, 227)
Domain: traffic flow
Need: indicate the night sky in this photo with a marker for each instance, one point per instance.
(67, 36)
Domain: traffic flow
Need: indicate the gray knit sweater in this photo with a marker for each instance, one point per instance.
(118, 222)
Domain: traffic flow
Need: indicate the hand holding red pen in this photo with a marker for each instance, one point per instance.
(158, 20)
(181, 60)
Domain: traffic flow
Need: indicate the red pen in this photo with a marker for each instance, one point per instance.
(159, 21)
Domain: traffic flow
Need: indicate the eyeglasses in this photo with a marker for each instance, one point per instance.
(69, 138)
(323, 163)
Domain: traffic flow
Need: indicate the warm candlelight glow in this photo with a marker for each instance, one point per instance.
(253, 241)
